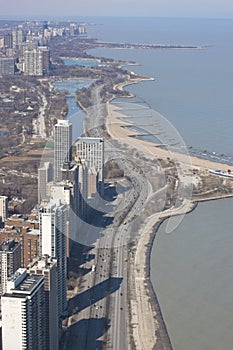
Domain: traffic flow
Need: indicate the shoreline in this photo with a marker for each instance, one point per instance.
(151, 289)
(145, 46)
(158, 337)
(137, 80)
(155, 334)
(118, 130)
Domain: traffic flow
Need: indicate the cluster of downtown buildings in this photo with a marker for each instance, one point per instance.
(33, 285)
(24, 49)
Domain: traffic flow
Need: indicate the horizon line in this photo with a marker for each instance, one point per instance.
(25, 17)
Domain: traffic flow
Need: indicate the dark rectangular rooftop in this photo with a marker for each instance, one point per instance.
(8, 245)
(28, 284)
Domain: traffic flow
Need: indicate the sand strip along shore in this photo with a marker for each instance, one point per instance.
(148, 328)
(118, 130)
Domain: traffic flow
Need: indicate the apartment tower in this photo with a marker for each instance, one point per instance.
(62, 147)
(91, 149)
(45, 175)
(23, 326)
(10, 261)
(3, 208)
(53, 233)
(47, 267)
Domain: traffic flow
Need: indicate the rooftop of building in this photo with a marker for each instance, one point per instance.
(90, 139)
(33, 232)
(17, 274)
(3, 197)
(63, 122)
(9, 245)
(44, 262)
(8, 227)
(28, 284)
(51, 206)
(46, 166)
(69, 166)
(16, 216)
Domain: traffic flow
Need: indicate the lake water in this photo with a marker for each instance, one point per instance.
(80, 62)
(3, 133)
(191, 269)
(192, 272)
(75, 115)
(193, 88)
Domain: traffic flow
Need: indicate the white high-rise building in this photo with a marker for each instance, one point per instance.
(23, 326)
(33, 62)
(17, 38)
(62, 147)
(14, 38)
(53, 233)
(91, 149)
(61, 192)
(10, 261)
(47, 267)
(83, 188)
(3, 208)
(45, 175)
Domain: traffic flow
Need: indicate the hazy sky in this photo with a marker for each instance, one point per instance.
(153, 8)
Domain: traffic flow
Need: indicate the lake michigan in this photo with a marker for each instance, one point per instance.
(192, 268)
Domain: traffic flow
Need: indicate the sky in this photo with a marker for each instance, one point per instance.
(152, 8)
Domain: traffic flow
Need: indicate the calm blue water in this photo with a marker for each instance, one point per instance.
(192, 272)
(80, 62)
(3, 133)
(71, 85)
(191, 269)
(75, 115)
(193, 88)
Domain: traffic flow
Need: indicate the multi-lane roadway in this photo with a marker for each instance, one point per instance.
(103, 318)
(103, 302)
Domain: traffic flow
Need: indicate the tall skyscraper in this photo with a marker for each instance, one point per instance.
(62, 147)
(70, 176)
(8, 40)
(33, 62)
(10, 261)
(45, 58)
(91, 149)
(7, 66)
(83, 188)
(45, 175)
(48, 268)
(92, 182)
(23, 326)
(53, 229)
(3, 208)
(17, 37)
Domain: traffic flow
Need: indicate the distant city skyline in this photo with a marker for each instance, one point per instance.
(147, 8)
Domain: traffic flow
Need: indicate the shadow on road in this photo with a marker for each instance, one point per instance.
(94, 294)
(76, 335)
(110, 193)
(79, 254)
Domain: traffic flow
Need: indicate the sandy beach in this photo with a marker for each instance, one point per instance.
(147, 324)
(118, 130)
